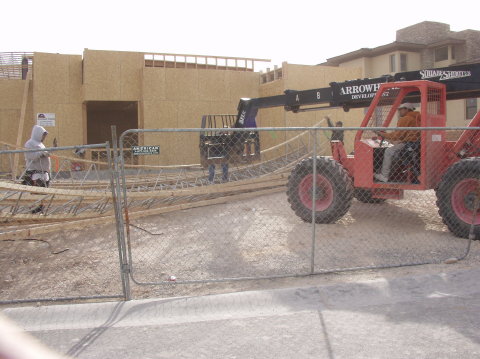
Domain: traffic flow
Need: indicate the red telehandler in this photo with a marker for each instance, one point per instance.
(451, 168)
(324, 187)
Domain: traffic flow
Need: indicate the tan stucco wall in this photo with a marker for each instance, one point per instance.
(362, 63)
(456, 113)
(380, 65)
(414, 61)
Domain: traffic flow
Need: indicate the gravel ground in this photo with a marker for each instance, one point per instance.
(260, 237)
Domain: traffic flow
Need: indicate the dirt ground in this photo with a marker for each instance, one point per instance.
(259, 237)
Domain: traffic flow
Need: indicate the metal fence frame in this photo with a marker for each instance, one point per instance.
(124, 223)
(114, 187)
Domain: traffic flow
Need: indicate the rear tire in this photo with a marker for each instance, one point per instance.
(456, 197)
(334, 191)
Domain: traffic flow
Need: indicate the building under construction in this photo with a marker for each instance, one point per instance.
(79, 97)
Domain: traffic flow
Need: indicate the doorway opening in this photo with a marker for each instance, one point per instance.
(101, 115)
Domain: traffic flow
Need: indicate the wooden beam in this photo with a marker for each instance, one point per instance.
(81, 224)
(51, 190)
(21, 123)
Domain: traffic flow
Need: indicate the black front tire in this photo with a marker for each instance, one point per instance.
(334, 190)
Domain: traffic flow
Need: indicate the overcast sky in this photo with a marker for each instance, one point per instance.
(299, 32)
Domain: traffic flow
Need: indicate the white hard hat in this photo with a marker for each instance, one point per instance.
(407, 105)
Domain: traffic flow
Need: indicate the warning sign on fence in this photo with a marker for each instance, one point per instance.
(145, 150)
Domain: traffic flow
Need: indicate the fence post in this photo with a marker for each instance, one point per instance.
(117, 197)
(314, 201)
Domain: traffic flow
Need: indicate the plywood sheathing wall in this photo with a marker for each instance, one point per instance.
(112, 75)
(57, 88)
(11, 96)
(178, 98)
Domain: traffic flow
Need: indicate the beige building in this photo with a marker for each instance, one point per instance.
(420, 46)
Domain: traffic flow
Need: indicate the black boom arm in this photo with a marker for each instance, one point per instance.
(461, 81)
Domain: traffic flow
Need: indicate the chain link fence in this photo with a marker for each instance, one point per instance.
(223, 204)
(46, 198)
(249, 212)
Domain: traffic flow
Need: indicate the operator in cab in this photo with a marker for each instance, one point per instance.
(408, 118)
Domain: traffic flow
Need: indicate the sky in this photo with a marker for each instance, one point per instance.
(299, 32)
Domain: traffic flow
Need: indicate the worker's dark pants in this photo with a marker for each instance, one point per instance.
(211, 172)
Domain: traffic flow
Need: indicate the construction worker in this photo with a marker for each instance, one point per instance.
(337, 135)
(220, 152)
(37, 163)
(37, 167)
(408, 118)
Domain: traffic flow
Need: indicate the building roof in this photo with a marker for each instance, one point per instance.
(376, 51)
(447, 41)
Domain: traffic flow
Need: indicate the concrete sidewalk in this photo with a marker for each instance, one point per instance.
(429, 316)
